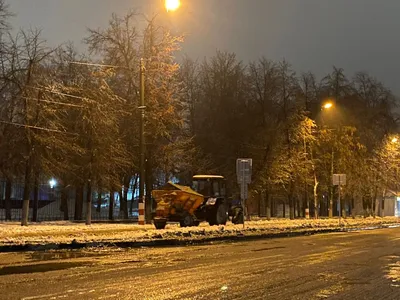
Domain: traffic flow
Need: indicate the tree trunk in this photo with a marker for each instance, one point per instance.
(89, 203)
(127, 183)
(78, 203)
(291, 208)
(294, 203)
(111, 208)
(149, 186)
(364, 205)
(316, 215)
(8, 199)
(268, 198)
(343, 206)
(383, 203)
(121, 204)
(133, 194)
(64, 202)
(284, 209)
(273, 207)
(374, 202)
(297, 211)
(123, 195)
(35, 198)
(306, 202)
(352, 207)
(26, 193)
(28, 163)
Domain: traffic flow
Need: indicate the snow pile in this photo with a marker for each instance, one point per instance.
(67, 232)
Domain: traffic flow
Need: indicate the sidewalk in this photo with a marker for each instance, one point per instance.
(58, 235)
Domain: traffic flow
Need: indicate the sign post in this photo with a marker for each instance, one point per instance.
(339, 180)
(243, 173)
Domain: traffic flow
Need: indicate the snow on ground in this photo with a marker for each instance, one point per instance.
(66, 232)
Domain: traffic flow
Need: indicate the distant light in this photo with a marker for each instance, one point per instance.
(328, 105)
(52, 183)
(395, 140)
(172, 5)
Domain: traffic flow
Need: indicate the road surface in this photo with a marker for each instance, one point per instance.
(355, 265)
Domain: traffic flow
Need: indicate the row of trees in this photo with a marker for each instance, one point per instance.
(266, 111)
(75, 117)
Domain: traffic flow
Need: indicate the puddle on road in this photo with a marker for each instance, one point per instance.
(39, 268)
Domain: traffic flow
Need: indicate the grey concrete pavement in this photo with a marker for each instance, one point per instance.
(354, 265)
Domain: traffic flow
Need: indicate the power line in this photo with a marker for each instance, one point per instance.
(97, 65)
(37, 128)
(61, 94)
(54, 102)
(71, 96)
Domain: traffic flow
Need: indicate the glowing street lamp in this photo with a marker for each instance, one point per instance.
(395, 140)
(52, 183)
(172, 5)
(328, 105)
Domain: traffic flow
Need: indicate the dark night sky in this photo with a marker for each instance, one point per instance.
(357, 35)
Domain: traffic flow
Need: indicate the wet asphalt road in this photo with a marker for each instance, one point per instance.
(356, 265)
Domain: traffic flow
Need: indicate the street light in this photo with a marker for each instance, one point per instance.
(327, 105)
(395, 140)
(52, 183)
(172, 5)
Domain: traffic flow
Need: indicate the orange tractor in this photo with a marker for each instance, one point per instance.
(205, 201)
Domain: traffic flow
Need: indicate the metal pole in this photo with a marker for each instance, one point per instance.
(244, 196)
(332, 187)
(340, 209)
(142, 175)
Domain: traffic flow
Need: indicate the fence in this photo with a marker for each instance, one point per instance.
(49, 205)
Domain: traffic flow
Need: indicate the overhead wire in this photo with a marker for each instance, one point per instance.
(37, 128)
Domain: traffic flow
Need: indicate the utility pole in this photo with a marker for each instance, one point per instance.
(332, 186)
(148, 171)
(142, 174)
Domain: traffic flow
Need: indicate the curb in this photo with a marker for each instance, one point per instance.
(173, 242)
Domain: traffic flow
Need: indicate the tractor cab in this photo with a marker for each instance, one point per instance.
(210, 186)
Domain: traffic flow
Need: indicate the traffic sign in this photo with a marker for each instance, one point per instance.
(339, 179)
(243, 170)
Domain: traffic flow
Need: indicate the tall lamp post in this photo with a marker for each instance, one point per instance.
(394, 141)
(170, 5)
(327, 106)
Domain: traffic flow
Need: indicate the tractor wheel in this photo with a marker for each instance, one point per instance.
(196, 223)
(160, 224)
(222, 215)
(187, 221)
(238, 217)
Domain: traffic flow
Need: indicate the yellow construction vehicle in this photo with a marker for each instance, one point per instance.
(205, 201)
